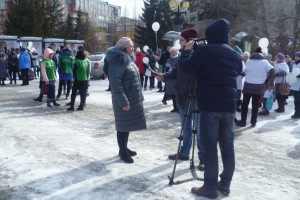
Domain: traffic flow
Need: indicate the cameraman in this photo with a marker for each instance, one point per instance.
(184, 87)
(216, 66)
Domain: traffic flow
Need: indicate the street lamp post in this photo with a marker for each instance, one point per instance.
(179, 7)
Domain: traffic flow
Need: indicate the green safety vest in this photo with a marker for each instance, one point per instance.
(50, 68)
(82, 69)
(66, 64)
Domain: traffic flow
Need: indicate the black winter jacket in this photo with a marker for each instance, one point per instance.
(216, 65)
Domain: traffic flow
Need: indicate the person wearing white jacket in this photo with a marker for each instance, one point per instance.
(258, 72)
(296, 87)
(281, 70)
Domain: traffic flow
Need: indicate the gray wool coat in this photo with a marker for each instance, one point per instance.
(124, 79)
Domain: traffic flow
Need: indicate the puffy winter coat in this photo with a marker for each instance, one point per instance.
(139, 62)
(24, 60)
(126, 90)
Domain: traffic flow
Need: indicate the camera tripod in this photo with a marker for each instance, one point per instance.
(190, 110)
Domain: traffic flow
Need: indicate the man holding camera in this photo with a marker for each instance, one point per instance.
(185, 85)
(216, 66)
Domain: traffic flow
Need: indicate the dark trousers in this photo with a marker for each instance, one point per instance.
(122, 138)
(281, 101)
(35, 71)
(142, 79)
(217, 127)
(174, 102)
(61, 84)
(25, 77)
(296, 95)
(51, 90)
(2, 81)
(245, 103)
(80, 86)
(159, 85)
(12, 76)
(151, 82)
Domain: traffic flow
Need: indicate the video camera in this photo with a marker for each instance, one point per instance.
(198, 42)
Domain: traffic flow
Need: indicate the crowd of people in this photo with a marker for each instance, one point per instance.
(218, 79)
(212, 81)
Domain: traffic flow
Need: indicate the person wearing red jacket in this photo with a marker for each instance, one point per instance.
(139, 63)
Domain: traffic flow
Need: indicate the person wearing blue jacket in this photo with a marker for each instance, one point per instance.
(216, 66)
(24, 65)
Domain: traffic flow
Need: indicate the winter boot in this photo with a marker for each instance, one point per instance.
(48, 103)
(223, 189)
(240, 123)
(40, 98)
(71, 108)
(55, 104)
(202, 191)
(122, 142)
(130, 152)
(80, 108)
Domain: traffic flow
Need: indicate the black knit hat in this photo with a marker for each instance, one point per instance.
(258, 50)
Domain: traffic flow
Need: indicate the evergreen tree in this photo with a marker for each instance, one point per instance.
(17, 22)
(68, 28)
(79, 26)
(57, 18)
(41, 23)
(153, 11)
(33, 18)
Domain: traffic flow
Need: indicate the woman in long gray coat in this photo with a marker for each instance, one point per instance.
(127, 97)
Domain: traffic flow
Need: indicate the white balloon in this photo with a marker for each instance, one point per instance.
(264, 51)
(146, 60)
(263, 43)
(145, 48)
(177, 45)
(296, 71)
(155, 26)
(291, 79)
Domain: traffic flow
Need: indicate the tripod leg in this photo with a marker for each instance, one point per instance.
(196, 115)
(195, 126)
(187, 114)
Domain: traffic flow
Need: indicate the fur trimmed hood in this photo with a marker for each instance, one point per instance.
(114, 55)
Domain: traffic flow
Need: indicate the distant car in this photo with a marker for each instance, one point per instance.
(97, 64)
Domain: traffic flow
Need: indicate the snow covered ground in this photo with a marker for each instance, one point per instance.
(50, 153)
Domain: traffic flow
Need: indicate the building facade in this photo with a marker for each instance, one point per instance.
(104, 16)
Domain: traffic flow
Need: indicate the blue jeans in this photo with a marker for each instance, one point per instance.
(217, 127)
(51, 90)
(188, 134)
